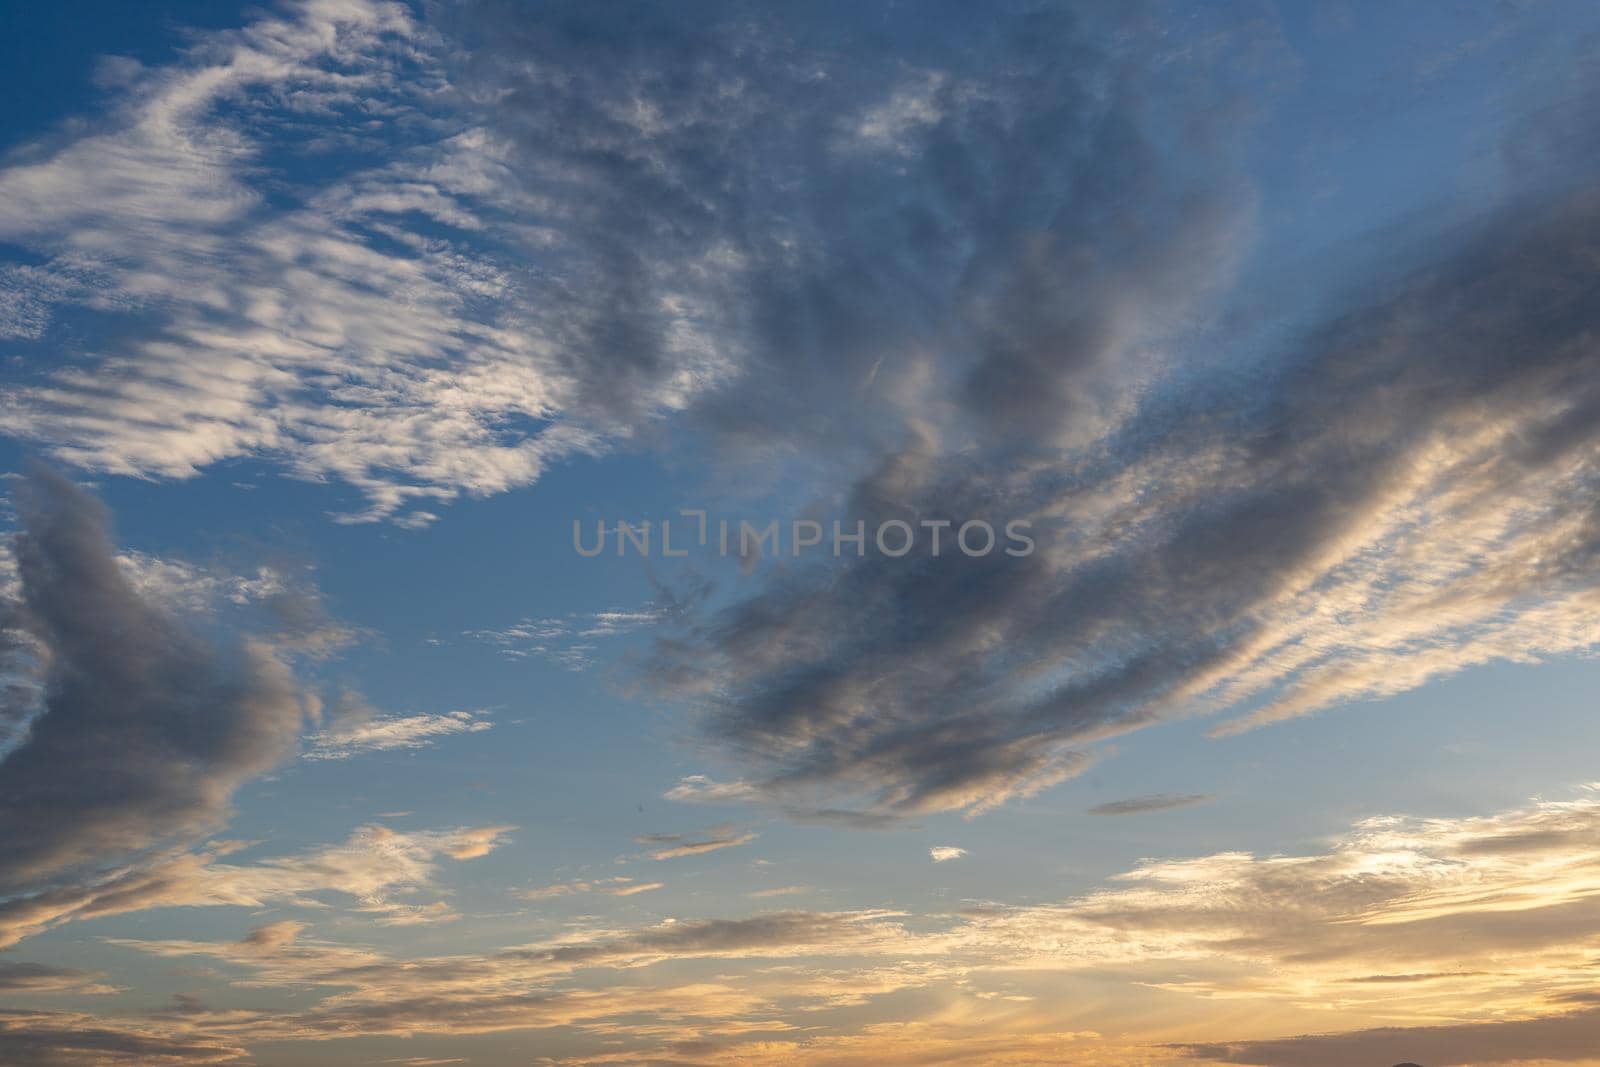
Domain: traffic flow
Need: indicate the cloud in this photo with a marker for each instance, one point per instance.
(140, 729)
(186, 587)
(72, 1039)
(581, 228)
(676, 846)
(961, 276)
(372, 869)
(957, 275)
(611, 887)
(525, 987)
(1477, 925)
(1151, 802)
(355, 728)
(470, 844)
(362, 328)
(569, 640)
(1401, 921)
(945, 853)
(779, 891)
(1411, 495)
(19, 978)
(1568, 1038)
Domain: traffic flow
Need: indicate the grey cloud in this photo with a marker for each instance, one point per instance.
(1409, 495)
(1403, 978)
(45, 1039)
(144, 728)
(840, 203)
(796, 228)
(1559, 1038)
(1151, 802)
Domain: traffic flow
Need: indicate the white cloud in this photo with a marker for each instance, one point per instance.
(383, 733)
(566, 640)
(369, 334)
(945, 853)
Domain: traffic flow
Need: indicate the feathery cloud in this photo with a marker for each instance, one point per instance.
(676, 846)
(355, 728)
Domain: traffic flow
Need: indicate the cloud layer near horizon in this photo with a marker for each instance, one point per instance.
(1488, 921)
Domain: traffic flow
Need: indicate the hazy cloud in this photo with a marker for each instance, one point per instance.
(1150, 802)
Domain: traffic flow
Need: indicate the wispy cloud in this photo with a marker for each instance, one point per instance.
(353, 734)
(21, 979)
(676, 846)
(780, 891)
(373, 868)
(611, 887)
(945, 853)
(571, 640)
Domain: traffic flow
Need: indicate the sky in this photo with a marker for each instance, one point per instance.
(829, 534)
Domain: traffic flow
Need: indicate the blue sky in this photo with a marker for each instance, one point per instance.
(324, 323)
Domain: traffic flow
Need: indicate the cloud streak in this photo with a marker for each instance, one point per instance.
(611, 887)
(677, 846)
(375, 869)
(1151, 802)
(355, 729)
